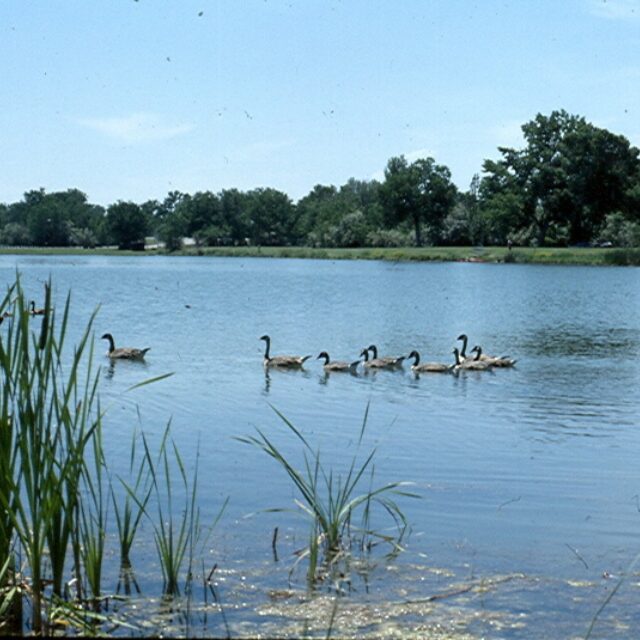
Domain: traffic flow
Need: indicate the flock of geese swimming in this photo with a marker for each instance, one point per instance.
(369, 359)
(479, 361)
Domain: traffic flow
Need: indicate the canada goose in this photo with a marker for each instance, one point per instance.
(35, 312)
(375, 363)
(337, 366)
(389, 360)
(492, 362)
(291, 362)
(428, 367)
(468, 364)
(483, 356)
(463, 351)
(123, 353)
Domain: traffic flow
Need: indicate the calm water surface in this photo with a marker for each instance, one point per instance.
(530, 473)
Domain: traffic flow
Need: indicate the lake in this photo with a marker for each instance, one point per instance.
(529, 477)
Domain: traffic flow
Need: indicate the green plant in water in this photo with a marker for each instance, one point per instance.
(53, 499)
(49, 421)
(175, 536)
(128, 514)
(330, 500)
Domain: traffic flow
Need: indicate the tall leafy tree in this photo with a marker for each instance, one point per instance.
(234, 206)
(271, 216)
(421, 192)
(126, 224)
(569, 176)
(318, 211)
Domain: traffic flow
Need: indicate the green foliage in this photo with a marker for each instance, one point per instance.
(270, 216)
(15, 234)
(331, 501)
(49, 423)
(176, 532)
(563, 183)
(127, 224)
(421, 192)
(50, 219)
(54, 497)
(558, 189)
(620, 231)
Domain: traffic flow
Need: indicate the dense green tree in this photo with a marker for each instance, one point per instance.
(619, 231)
(14, 234)
(271, 217)
(317, 212)
(234, 214)
(465, 223)
(421, 192)
(166, 219)
(127, 224)
(52, 219)
(566, 179)
(501, 205)
(347, 216)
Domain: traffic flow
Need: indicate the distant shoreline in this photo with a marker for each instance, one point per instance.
(519, 255)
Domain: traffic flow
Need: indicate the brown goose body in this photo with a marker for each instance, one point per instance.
(469, 364)
(33, 311)
(285, 362)
(375, 363)
(491, 361)
(391, 361)
(336, 365)
(123, 353)
(428, 367)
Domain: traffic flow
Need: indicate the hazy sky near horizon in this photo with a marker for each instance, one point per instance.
(131, 99)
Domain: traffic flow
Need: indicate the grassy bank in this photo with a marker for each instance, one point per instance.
(523, 255)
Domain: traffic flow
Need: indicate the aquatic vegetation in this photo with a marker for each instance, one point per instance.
(176, 536)
(49, 422)
(331, 501)
(54, 487)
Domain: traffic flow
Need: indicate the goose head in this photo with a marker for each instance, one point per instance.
(478, 351)
(109, 337)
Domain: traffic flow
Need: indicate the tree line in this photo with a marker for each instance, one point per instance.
(571, 183)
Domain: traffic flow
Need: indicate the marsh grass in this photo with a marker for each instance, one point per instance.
(178, 532)
(49, 423)
(331, 501)
(55, 487)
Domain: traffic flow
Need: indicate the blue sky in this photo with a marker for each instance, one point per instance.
(130, 99)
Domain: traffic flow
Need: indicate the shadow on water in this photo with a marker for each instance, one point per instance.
(273, 373)
(582, 341)
(127, 365)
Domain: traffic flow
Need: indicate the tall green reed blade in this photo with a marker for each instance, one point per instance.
(7, 449)
(93, 522)
(329, 499)
(48, 422)
(176, 536)
(128, 516)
